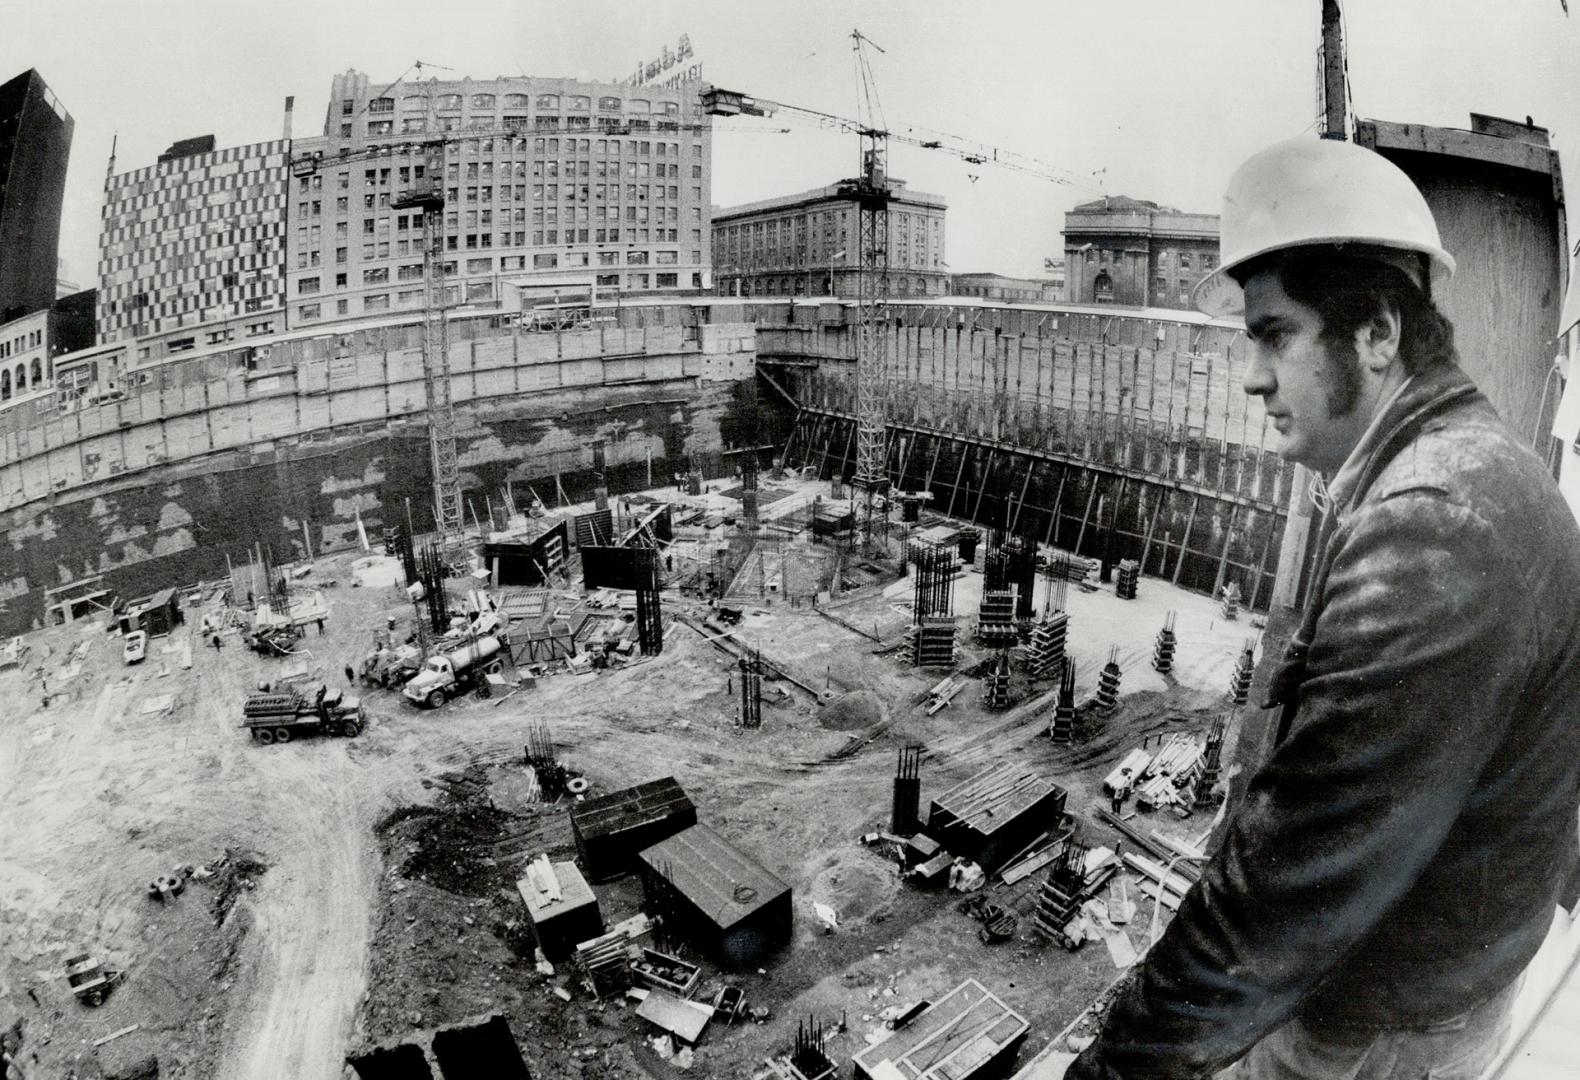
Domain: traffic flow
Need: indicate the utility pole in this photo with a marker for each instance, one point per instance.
(1335, 96)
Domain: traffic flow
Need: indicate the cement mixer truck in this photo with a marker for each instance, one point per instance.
(454, 670)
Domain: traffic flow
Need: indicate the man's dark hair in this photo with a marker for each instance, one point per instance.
(1346, 289)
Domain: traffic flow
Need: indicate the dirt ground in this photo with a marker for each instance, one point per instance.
(376, 896)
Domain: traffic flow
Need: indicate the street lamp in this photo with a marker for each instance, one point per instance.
(831, 258)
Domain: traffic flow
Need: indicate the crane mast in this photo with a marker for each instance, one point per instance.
(429, 199)
(871, 192)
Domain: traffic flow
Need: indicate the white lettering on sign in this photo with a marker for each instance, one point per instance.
(664, 61)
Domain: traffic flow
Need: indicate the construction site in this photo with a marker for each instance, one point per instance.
(745, 686)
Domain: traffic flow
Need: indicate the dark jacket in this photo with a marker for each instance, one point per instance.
(1397, 858)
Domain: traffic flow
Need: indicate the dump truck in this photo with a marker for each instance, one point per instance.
(276, 718)
(454, 670)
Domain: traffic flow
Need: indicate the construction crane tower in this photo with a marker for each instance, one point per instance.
(428, 197)
(870, 191)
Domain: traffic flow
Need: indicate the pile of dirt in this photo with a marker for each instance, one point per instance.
(453, 845)
(855, 711)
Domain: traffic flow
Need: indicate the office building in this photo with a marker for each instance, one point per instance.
(805, 244)
(1120, 250)
(192, 248)
(551, 183)
(35, 145)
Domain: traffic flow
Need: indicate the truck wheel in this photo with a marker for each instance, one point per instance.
(263, 735)
(494, 669)
(350, 729)
(282, 734)
(435, 698)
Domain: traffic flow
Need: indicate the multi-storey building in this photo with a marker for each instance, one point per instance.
(805, 244)
(195, 242)
(35, 144)
(1120, 250)
(546, 181)
(990, 286)
(30, 344)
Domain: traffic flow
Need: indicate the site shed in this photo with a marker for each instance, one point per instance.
(612, 829)
(995, 814)
(563, 913)
(721, 899)
(968, 1034)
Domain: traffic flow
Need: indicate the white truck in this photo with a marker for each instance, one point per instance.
(454, 670)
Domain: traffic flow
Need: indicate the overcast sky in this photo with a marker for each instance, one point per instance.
(1157, 99)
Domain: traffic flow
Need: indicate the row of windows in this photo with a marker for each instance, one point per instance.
(21, 342)
(572, 102)
(483, 290)
(308, 286)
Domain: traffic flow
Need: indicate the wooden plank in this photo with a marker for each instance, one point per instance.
(1029, 866)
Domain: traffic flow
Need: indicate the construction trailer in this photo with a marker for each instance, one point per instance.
(613, 829)
(561, 906)
(995, 814)
(158, 614)
(512, 560)
(723, 901)
(968, 1034)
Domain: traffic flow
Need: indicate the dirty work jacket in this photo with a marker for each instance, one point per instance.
(1397, 857)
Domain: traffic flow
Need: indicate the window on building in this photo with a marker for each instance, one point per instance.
(414, 103)
(545, 262)
(548, 101)
(378, 275)
(376, 302)
(482, 101)
(308, 312)
(480, 266)
(381, 105)
(609, 104)
(668, 281)
(1184, 260)
(307, 285)
(447, 101)
(515, 101)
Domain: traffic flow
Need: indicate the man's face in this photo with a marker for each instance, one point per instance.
(1309, 386)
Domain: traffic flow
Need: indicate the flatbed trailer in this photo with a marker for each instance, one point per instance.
(277, 718)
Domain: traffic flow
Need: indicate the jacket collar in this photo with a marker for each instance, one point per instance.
(1420, 397)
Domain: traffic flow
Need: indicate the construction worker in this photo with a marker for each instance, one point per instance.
(1397, 856)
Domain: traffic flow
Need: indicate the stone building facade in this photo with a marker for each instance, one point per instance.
(548, 181)
(1135, 253)
(805, 244)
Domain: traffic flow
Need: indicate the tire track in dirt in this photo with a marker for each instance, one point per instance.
(312, 918)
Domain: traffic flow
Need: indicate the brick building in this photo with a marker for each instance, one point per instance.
(805, 244)
(546, 181)
(1132, 252)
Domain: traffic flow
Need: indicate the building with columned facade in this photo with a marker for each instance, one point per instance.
(1132, 252)
(805, 244)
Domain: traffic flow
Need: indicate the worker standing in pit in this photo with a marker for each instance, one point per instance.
(1396, 860)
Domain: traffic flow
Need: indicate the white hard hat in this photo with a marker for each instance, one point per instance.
(1317, 192)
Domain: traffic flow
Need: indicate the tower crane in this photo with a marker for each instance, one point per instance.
(871, 193)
